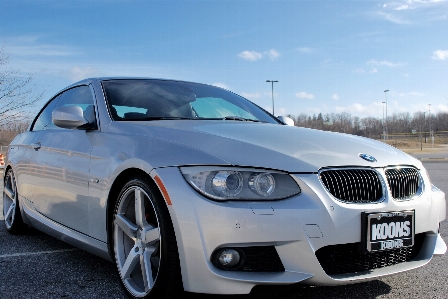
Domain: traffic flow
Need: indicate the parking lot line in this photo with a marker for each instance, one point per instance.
(37, 253)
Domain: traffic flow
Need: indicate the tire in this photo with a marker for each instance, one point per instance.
(11, 209)
(144, 243)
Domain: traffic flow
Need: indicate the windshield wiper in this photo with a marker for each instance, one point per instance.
(238, 118)
(242, 119)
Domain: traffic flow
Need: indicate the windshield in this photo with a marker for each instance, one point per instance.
(146, 99)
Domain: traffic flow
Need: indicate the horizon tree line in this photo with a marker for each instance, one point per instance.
(372, 127)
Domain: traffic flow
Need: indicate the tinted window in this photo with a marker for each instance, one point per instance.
(155, 99)
(79, 96)
(45, 116)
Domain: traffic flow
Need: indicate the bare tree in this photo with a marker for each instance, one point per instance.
(11, 129)
(17, 92)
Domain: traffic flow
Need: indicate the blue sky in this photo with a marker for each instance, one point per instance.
(328, 56)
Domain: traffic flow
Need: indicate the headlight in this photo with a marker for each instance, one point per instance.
(230, 183)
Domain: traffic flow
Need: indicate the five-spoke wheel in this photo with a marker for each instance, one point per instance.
(11, 210)
(138, 239)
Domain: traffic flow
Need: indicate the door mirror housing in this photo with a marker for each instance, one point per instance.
(286, 120)
(69, 117)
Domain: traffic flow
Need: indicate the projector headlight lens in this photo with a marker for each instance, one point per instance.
(227, 183)
(233, 183)
(262, 183)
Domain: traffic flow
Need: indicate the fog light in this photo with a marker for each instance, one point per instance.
(228, 258)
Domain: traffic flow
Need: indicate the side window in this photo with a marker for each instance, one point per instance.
(79, 96)
(44, 117)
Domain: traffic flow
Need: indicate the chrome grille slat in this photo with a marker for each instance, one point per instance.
(404, 183)
(358, 185)
(353, 185)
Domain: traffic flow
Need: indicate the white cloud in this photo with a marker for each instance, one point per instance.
(357, 109)
(443, 108)
(77, 73)
(440, 55)
(305, 50)
(30, 45)
(412, 94)
(392, 18)
(304, 95)
(361, 71)
(251, 96)
(425, 1)
(250, 55)
(272, 54)
(403, 7)
(411, 4)
(335, 97)
(375, 109)
(385, 63)
(220, 84)
(281, 111)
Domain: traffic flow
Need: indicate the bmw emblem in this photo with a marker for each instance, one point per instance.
(368, 157)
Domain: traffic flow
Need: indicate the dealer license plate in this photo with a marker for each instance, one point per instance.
(387, 230)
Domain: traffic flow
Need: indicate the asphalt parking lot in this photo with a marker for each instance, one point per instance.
(38, 266)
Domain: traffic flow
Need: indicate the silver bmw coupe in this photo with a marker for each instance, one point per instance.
(187, 186)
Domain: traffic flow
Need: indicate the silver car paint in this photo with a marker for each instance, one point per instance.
(61, 179)
(269, 146)
(200, 224)
(236, 224)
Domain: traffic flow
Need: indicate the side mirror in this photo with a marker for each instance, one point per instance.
(69, 117)
(286, 120)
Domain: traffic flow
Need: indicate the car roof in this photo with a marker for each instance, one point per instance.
(99, 79)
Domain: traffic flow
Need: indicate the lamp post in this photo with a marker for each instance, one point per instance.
(421, 129)
(384, 132)
(272, 83)
(431, 133)
(385, 96)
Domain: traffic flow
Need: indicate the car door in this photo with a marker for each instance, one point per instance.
(61, 163)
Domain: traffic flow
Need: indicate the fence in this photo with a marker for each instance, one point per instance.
(425, 136)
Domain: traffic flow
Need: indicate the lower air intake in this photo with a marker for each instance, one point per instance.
(347, 258)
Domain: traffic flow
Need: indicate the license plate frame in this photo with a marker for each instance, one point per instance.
(383, 231)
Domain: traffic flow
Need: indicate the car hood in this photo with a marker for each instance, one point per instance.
(287, 148)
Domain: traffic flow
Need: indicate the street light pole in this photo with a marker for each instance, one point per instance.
(272, 82)
(384, 132)
(385, 96)
(421, 129)
(431, 134)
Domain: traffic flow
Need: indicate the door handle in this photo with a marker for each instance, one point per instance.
(36, 145)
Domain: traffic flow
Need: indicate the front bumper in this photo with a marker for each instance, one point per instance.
(297, 227)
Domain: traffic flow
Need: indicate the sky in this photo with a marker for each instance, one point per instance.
(328, 56)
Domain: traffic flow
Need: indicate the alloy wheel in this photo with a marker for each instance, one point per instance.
(9, 200)
(137, 241)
